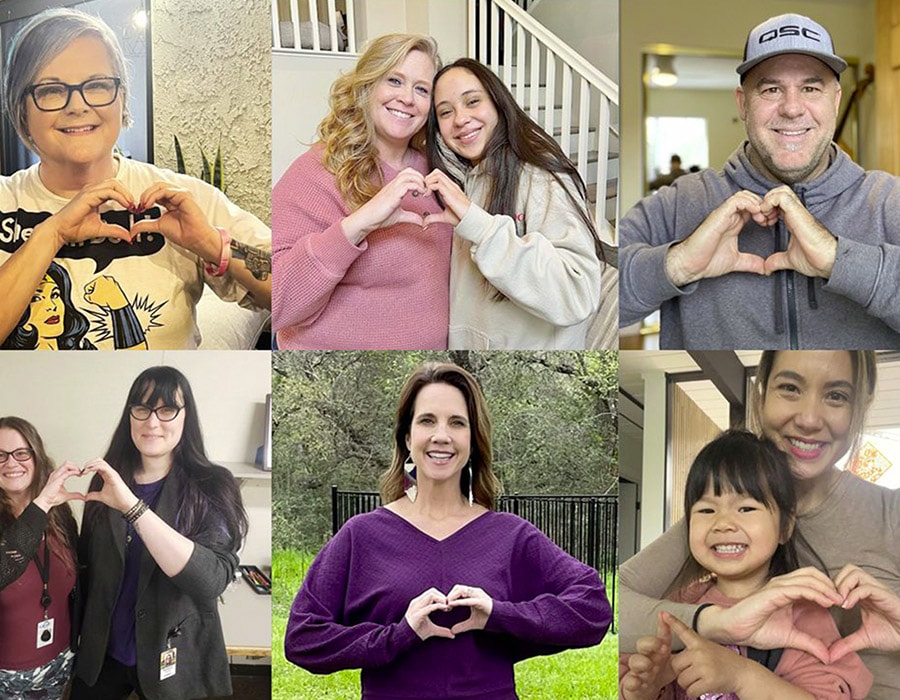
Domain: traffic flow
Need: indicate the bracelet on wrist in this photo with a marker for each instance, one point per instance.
(225, 256)
(136, 511)
(700, 609)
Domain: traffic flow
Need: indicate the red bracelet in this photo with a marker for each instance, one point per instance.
(226, 256)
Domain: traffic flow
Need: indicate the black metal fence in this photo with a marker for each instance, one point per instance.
(583, 526)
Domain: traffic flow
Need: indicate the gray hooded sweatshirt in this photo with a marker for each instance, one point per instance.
(857, 308)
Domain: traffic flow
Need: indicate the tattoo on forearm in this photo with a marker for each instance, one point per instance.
(257, 261)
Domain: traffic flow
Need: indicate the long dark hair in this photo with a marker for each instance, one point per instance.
(75, 323)
(740, 461)
(516, 139)
(207, 490)
(59, 516)
(486, 486)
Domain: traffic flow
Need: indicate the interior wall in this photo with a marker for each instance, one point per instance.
(724, 129)
(591, 27)
(653, 475)
(719, 28)
(305, 79)
(75, 401)
(212, 85)
(691, 430)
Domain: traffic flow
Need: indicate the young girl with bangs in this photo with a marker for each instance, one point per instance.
(38, 620)
(740, 509)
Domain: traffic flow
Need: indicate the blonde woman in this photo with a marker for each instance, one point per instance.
(355, 267)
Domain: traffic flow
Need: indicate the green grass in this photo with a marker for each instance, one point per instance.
(576, 674)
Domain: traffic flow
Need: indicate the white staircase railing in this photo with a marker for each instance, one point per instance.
(570, 98)
(297, 25)
(559, 89)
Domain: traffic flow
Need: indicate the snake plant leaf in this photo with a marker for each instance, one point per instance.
(205, 172)
(218, 175)
(179, 158)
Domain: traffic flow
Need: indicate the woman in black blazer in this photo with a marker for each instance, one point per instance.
(159, 539)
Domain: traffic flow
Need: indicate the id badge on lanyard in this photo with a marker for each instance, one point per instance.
(44, 627)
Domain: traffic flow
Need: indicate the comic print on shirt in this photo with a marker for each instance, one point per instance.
(112, 294)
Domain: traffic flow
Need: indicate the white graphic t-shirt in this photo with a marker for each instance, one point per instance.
(111, 294)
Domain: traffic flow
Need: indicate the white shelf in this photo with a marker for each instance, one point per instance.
(245, 470)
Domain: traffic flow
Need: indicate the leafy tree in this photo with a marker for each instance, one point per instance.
(553, 413)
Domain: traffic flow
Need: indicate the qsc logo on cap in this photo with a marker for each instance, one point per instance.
(789, 30)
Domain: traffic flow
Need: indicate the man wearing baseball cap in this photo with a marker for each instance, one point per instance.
(791, 245)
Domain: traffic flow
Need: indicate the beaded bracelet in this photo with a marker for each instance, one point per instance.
(136, 511)
(226, 256)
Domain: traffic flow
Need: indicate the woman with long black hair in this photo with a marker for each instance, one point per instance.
(160, 537)
(526, 262)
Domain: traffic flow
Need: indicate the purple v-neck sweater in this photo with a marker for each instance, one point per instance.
(349, 613)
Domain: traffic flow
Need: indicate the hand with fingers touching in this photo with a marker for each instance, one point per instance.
(474, 598)
(765, 619)
(706, 667)
(385, 208)
(812, 248)
(80, 219)
(114, 492)
(54, 492)
(712, 249)
(417, 614)
(880, 610)
(650, 669)
(183, 222)
(456, 203)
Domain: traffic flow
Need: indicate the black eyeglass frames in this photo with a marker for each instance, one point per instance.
(164, 413)
(22, 454)
(96, 92)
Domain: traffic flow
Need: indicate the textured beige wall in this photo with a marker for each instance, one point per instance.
(212, 82)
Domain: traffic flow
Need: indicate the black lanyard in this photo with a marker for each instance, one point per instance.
(44, 571)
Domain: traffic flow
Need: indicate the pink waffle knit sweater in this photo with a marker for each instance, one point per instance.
(389, 293)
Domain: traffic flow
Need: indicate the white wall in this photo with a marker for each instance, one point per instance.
(75, 401)
(591, 27)
(721, 28)
(301, 81)
(653, 477)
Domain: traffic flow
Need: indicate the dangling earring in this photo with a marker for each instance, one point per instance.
(470, 485)
(409, 479)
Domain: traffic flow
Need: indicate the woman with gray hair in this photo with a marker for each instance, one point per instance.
(136, 242)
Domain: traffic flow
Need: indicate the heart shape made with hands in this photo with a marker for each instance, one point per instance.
(449, 618)
(445, 216)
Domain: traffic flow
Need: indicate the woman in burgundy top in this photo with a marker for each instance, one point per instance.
(37, 566)
(436, 594)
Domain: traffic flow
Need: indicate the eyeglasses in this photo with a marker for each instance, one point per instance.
(164, 413)
(22, 454)
(96, 92)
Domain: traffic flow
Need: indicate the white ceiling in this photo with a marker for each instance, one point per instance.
(884, 414)
(703, 73)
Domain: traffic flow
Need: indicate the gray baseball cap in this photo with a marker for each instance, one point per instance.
(789, 34)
